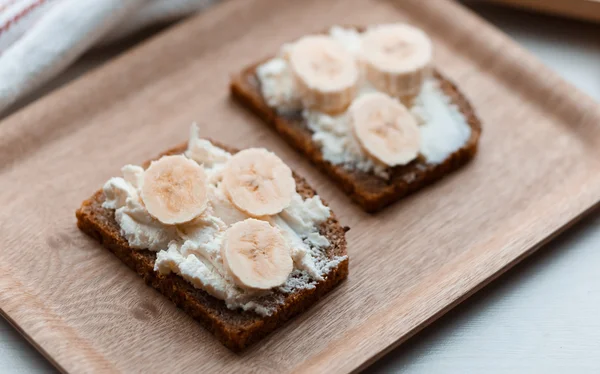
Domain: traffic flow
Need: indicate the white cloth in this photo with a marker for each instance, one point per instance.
(40, 38)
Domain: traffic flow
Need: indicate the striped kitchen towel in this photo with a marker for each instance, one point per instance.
(40, 38)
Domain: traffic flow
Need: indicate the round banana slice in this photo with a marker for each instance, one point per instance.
(256, 255)
(326, 74)
(258, 182)
(397, 59)
(174, 189)
(385, 129)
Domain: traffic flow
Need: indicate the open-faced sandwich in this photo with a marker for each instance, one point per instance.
(236, 239)
(367, 106)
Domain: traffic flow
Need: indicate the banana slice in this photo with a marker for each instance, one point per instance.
(397, 59)
(256, 255)
(258, 182)
(326, 74)
(385, 129)
(174, 189)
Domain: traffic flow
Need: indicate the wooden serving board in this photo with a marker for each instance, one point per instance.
(582, 9)
(537, 172)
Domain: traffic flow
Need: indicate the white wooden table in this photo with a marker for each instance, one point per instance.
(544, 316)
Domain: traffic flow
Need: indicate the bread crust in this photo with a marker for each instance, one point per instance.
(371, 192)
(236, 329)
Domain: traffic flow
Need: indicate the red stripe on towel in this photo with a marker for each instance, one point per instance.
(20, 15)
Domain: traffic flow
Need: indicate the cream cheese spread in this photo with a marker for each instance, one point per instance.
(443, 128)
(278, 87)
(193, 249)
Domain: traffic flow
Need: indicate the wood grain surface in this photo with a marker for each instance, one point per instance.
(582, 9)
(538, 170)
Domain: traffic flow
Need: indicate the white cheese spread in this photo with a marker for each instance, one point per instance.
(193, 250)
(444, 129)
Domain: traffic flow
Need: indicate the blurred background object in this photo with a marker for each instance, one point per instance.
(583, 9)
(41, 38)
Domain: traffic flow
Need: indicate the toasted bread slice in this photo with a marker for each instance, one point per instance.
(371, 192)
(236, 329)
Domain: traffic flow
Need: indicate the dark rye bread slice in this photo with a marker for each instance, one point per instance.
(371, 192)
(236, 329)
